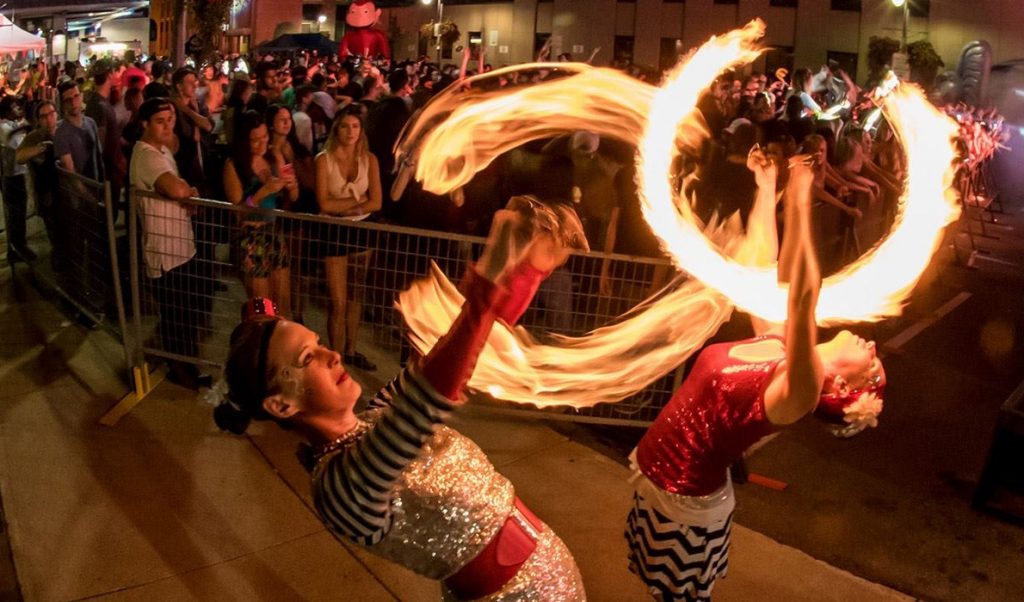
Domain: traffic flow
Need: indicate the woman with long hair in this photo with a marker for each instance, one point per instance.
(256, 178)
(393, 478)
(238, 98)
(347, 186)
(287, 151)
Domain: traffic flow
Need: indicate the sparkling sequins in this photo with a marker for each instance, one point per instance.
(716, 415)
(449, 504)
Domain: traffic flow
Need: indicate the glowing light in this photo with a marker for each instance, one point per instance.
(322, 19)
(108, 47)
(461, 132)
(898, 3)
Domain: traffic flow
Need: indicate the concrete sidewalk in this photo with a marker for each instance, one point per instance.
(165, 507)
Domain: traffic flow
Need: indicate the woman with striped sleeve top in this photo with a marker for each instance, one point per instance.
(394, 478)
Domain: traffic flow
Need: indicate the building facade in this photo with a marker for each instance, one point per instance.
(654, 32)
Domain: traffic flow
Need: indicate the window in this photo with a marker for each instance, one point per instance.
(476, 41)
(671, 48)
(311, 11)
(783, 3)
(623, 50)
(850, 5)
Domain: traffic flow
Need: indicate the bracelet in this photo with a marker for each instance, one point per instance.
(250, 201)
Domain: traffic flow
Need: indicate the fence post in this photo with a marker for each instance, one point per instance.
(115, 270)
(143, 381)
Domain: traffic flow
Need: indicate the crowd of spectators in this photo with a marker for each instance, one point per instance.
(309, 134)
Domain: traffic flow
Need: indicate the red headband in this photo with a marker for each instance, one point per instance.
(831, 406)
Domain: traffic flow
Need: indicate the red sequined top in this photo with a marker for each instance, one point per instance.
(707, 425)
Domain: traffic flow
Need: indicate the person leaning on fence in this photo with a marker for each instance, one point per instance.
(15, 192)
(256, 179)
(347, 186)
(678, 529)
(394, 478)
(36, 151)
(168, 240)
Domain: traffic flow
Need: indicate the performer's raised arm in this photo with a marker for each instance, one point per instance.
(394, 477)
(789, 399)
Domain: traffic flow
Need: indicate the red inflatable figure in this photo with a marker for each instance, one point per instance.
(362, 39)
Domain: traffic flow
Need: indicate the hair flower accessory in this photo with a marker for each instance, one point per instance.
(859, 415)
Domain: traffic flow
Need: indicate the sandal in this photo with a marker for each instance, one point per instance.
(358, 360)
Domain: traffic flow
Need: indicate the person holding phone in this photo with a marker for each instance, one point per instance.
(253, 177)
(296, 163)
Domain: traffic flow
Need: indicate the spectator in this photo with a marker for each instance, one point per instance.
(133, 71)
(301, 118)
(13, 128)
(803, 88)
(159, 85)
(268, 89)
(238, 98)
(254, 178)
(348, 186)
(168, 241)
(286, 150)
(191, 121)
(36, 151)
(99, 108)
(76, 140)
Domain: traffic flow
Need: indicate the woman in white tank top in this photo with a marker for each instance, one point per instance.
(347, 186)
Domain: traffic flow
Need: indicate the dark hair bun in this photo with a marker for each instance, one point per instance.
(231, 419)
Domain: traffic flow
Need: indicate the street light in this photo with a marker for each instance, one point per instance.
(905, 4)
(437, 28)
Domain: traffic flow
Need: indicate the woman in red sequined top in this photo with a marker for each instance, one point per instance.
(678, 529)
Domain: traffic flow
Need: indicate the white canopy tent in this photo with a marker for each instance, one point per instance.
(15, 39)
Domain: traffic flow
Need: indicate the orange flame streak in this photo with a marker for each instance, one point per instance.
(613, 362)
(874, 286)
(459, 134)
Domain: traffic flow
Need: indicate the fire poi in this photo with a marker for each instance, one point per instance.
(460, 133)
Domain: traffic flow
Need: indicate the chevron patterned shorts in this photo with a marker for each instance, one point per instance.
(676, 561)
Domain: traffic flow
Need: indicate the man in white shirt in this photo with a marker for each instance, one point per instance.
(168, 239)
(15, 194)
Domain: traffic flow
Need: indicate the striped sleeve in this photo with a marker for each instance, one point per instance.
(352, 489)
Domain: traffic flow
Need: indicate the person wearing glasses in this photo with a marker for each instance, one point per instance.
(737, 393)
(76, 140)
(36, 152)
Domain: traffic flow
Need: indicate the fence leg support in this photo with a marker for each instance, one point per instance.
(144, 381)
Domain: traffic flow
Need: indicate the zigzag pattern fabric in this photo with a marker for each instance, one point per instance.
(676, 561)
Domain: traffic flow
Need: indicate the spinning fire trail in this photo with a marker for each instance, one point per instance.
(461, 132)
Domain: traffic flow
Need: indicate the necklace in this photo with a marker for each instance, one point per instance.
(343, 441)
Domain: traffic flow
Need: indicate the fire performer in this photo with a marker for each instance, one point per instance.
(394, 478)
(678, 529)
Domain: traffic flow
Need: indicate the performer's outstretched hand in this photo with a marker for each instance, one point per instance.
(528, 230)
(765, 170)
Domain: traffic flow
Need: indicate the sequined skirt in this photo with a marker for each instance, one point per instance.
(549, 575)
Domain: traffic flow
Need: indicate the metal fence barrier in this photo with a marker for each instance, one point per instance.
(81, 263)
(340, 278)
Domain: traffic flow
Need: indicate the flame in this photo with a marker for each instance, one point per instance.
(461, 133)
(873, 287)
